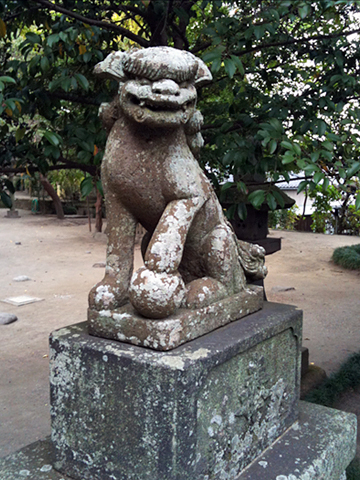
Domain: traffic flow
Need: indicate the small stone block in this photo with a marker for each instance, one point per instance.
(12, 214)
(7, 318)
(202, 411)
(33, 462)
(22, 278)
(126, 325)
(21, 300)
(304, 360)
(320, 445)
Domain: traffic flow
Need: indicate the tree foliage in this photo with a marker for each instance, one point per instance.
(284, 96)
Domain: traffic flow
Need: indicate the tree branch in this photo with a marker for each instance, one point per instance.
(67, 165)
(99, 23)
(297, 40)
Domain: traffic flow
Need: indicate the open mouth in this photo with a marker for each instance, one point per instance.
(160, 107)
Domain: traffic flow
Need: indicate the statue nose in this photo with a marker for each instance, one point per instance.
(166, 87)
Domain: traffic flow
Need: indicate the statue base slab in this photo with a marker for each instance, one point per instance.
(126, 325)
(320, 444)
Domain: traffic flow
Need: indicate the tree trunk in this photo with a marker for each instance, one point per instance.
(98, 211)
(49, 189)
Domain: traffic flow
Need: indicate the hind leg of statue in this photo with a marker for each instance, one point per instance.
(224, 274)
(112, 291)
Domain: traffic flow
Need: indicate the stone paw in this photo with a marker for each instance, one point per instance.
(154, 294)
(203, 292)
(106, 295)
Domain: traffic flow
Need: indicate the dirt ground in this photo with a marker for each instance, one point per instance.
(59, 258)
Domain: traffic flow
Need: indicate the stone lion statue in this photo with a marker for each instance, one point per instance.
(150, 176)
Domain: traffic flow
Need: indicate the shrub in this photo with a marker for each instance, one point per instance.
(347, 257)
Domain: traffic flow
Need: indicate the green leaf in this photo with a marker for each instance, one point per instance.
(297, 149)
(230, 212)
(33, 38)
(315, 156)
(226, 186)
(20, 132)
(353, 170)
(287, 145)
(259, 31)
(6, 200)
(326, 184)
(357, 202)
(272, 146)
(287, 159)
(51, 39)
(257, 198)
(10, 103)
(63, 36)
(238, 63)
(318, 176)
(279, 198)
(45, 65)
(214, 54)
(86, 186)
(321, 127)
(230, 67)
(328, 145)
(216, 65)
(309, 169)
(242, 211)
(304, 11)
(83, 82)
(241, 187)
(87, 57)
(10, 186)
(6, 79)
(271, 201)
(53, 138)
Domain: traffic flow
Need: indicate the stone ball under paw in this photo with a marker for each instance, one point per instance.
(154, 294)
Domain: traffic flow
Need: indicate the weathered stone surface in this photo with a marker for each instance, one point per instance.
(33, 462)
(151, 177)
(126, 325)
(320, 445)
(6, 318)
(202, 411)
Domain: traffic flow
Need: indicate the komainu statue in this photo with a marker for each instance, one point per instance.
(150, 176)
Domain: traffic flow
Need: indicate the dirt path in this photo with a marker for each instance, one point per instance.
(59, 258)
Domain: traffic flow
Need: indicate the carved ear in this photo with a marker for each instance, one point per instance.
(112, 67)
(203, 74)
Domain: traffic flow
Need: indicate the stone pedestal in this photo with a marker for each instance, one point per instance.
(12, 214)
(203, 411)
(318, 446)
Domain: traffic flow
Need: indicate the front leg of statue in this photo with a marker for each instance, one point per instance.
(157, 289)
(112, 291)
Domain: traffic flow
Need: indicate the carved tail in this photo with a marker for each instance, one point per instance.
(252, 260)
